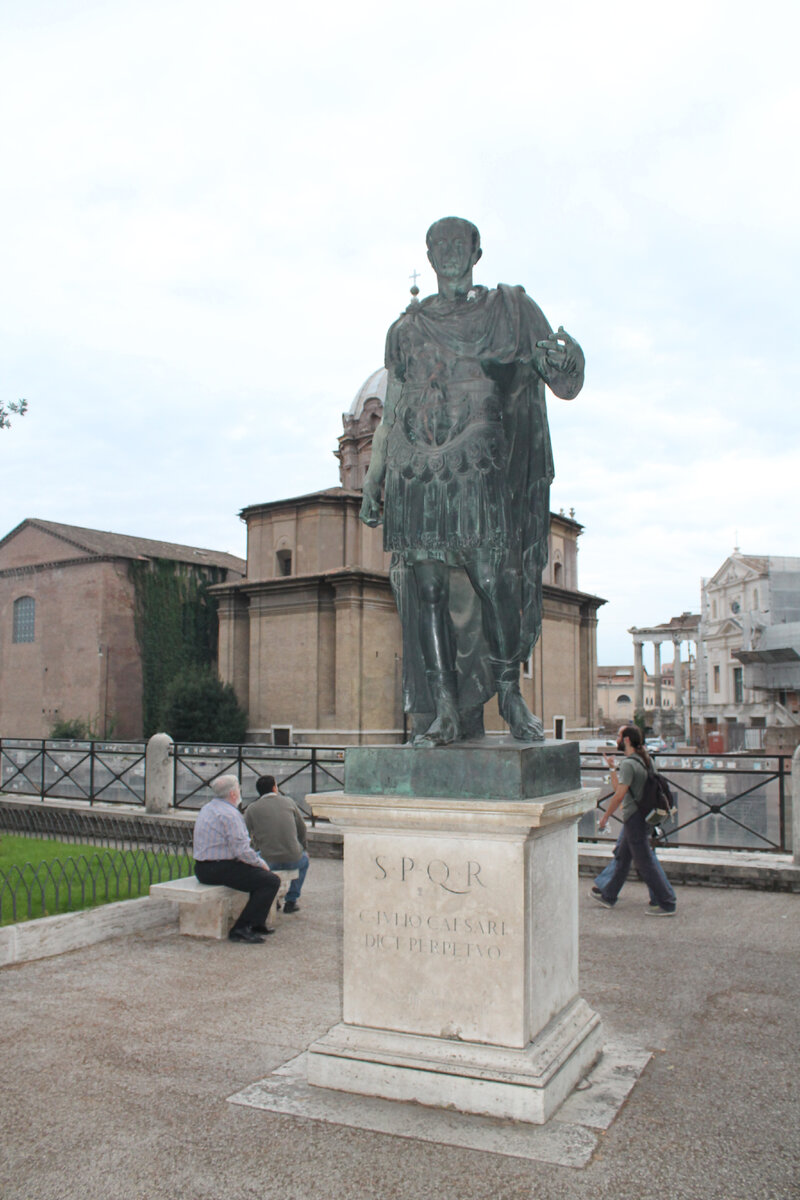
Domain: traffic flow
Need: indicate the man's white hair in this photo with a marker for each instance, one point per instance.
(223, 786)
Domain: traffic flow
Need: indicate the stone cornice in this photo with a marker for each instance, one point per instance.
(36, 568)
(294, 583)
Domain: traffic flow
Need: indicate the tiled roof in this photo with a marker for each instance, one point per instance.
(123, 545)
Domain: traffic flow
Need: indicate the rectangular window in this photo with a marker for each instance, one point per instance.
(738, 685)
(716, 679)
(24, 619)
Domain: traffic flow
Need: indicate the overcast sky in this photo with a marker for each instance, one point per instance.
(210, 213)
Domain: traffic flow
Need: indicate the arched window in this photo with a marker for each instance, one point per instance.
(558, 574)
(623, 699)
(24, 619)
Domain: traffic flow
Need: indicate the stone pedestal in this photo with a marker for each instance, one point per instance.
(460, 929)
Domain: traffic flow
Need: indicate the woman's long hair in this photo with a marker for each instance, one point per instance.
(634, 735)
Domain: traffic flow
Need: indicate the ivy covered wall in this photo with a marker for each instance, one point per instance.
(176, 626)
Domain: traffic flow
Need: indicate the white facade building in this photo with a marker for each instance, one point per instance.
(749, 653)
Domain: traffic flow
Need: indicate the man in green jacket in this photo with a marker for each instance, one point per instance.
(278, 832)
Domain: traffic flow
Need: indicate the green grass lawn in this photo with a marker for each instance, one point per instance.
(40, 878)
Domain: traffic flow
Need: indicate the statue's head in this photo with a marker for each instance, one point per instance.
(454, 246)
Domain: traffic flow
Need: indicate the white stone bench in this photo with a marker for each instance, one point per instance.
(209, 909)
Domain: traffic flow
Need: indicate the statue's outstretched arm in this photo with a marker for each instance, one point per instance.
(371, 503)
(561, 365)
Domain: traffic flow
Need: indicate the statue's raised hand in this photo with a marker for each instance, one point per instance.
(561, 363)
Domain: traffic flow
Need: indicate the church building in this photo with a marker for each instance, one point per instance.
(75, 641)
(311, 639)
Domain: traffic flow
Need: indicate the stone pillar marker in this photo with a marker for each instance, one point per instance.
(159, 777)
(460, 985)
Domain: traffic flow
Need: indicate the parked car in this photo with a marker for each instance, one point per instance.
(655, 744)
(598, 746)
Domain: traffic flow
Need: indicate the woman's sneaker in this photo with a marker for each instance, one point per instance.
(599, 898)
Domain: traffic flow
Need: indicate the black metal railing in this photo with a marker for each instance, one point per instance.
(114, 772)
(731, 801)
(114, 860)
(298, 771)
(96, 828)
(97, 772)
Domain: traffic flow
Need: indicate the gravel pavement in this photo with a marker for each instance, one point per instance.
(117, 1061)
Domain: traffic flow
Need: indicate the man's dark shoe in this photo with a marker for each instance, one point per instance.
(261, 929)
(600, 899)
(290, 906)
(243, 933)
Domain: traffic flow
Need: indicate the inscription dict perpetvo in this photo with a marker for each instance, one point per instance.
(421, 942)
(432, 933)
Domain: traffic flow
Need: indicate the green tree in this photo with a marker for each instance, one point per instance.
(72, 729)
(199, 707)
(84, 729)
(20, 407)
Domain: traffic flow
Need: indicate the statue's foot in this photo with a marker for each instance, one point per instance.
(442, 731)
(524, 726)
(445, 727)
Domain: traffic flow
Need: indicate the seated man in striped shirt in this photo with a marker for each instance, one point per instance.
(223, 855)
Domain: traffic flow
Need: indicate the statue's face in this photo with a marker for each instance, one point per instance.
(451, 253)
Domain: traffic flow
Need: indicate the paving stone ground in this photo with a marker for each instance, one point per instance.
(118, 1059)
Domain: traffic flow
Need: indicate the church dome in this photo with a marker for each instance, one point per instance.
(372, 388)
(359, 424)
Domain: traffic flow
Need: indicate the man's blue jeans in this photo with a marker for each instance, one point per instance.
(634, 846)
(296, 886)
(604, 877)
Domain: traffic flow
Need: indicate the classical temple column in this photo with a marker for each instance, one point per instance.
(638, 676)
(678, 674)
(657, 671)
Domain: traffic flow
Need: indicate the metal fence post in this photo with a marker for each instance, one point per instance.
(796, 806)
(159, 775)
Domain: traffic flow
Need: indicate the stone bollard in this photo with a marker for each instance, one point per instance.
(796, 806)
(159, 778)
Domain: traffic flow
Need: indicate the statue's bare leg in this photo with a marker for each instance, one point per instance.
(501, 627)
(436, 643)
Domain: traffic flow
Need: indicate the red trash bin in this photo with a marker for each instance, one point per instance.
(716, 742)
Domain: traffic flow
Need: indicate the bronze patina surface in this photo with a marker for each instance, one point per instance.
(463, 455)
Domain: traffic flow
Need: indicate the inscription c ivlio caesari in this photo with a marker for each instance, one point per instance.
(428, 922)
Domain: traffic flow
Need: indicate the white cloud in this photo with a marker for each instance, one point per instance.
(215, 211)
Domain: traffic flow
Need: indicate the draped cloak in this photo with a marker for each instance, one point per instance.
(482, 483)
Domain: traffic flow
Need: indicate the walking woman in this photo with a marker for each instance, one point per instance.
(634, 845)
